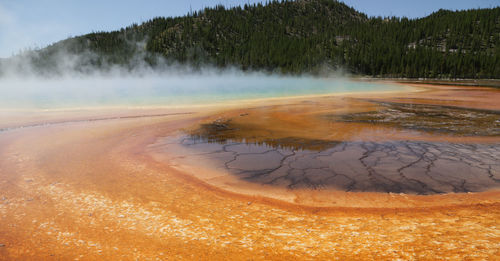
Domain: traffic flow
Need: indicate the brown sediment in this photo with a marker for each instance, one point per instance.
(452, 120)
(103, 190)
(468, 97)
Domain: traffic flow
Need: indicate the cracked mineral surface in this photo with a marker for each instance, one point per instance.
(394, 166)
(384, 146)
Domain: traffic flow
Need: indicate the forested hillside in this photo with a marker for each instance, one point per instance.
(302, 36)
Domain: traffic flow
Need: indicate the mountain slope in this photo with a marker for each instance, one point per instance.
(296, 37)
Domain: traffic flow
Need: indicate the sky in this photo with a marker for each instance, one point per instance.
(28, 24)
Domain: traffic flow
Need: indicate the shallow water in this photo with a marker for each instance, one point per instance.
(167, 90)
(413, 167)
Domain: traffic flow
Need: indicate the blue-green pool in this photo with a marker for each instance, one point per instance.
(167, 90)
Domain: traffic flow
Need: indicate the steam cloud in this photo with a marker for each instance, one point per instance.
(78, 84)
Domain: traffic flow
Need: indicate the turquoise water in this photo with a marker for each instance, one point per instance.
(167, 90)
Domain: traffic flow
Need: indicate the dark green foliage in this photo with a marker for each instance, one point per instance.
(304, 36)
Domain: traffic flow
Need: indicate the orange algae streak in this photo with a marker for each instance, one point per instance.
(101, 190)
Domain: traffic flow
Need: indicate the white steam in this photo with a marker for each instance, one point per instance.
(166, 84)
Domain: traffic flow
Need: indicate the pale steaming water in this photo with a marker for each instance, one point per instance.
(166, 90)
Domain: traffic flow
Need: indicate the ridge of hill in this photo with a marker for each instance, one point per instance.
(292, 37)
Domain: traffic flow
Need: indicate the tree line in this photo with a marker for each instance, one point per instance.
(300, 36)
